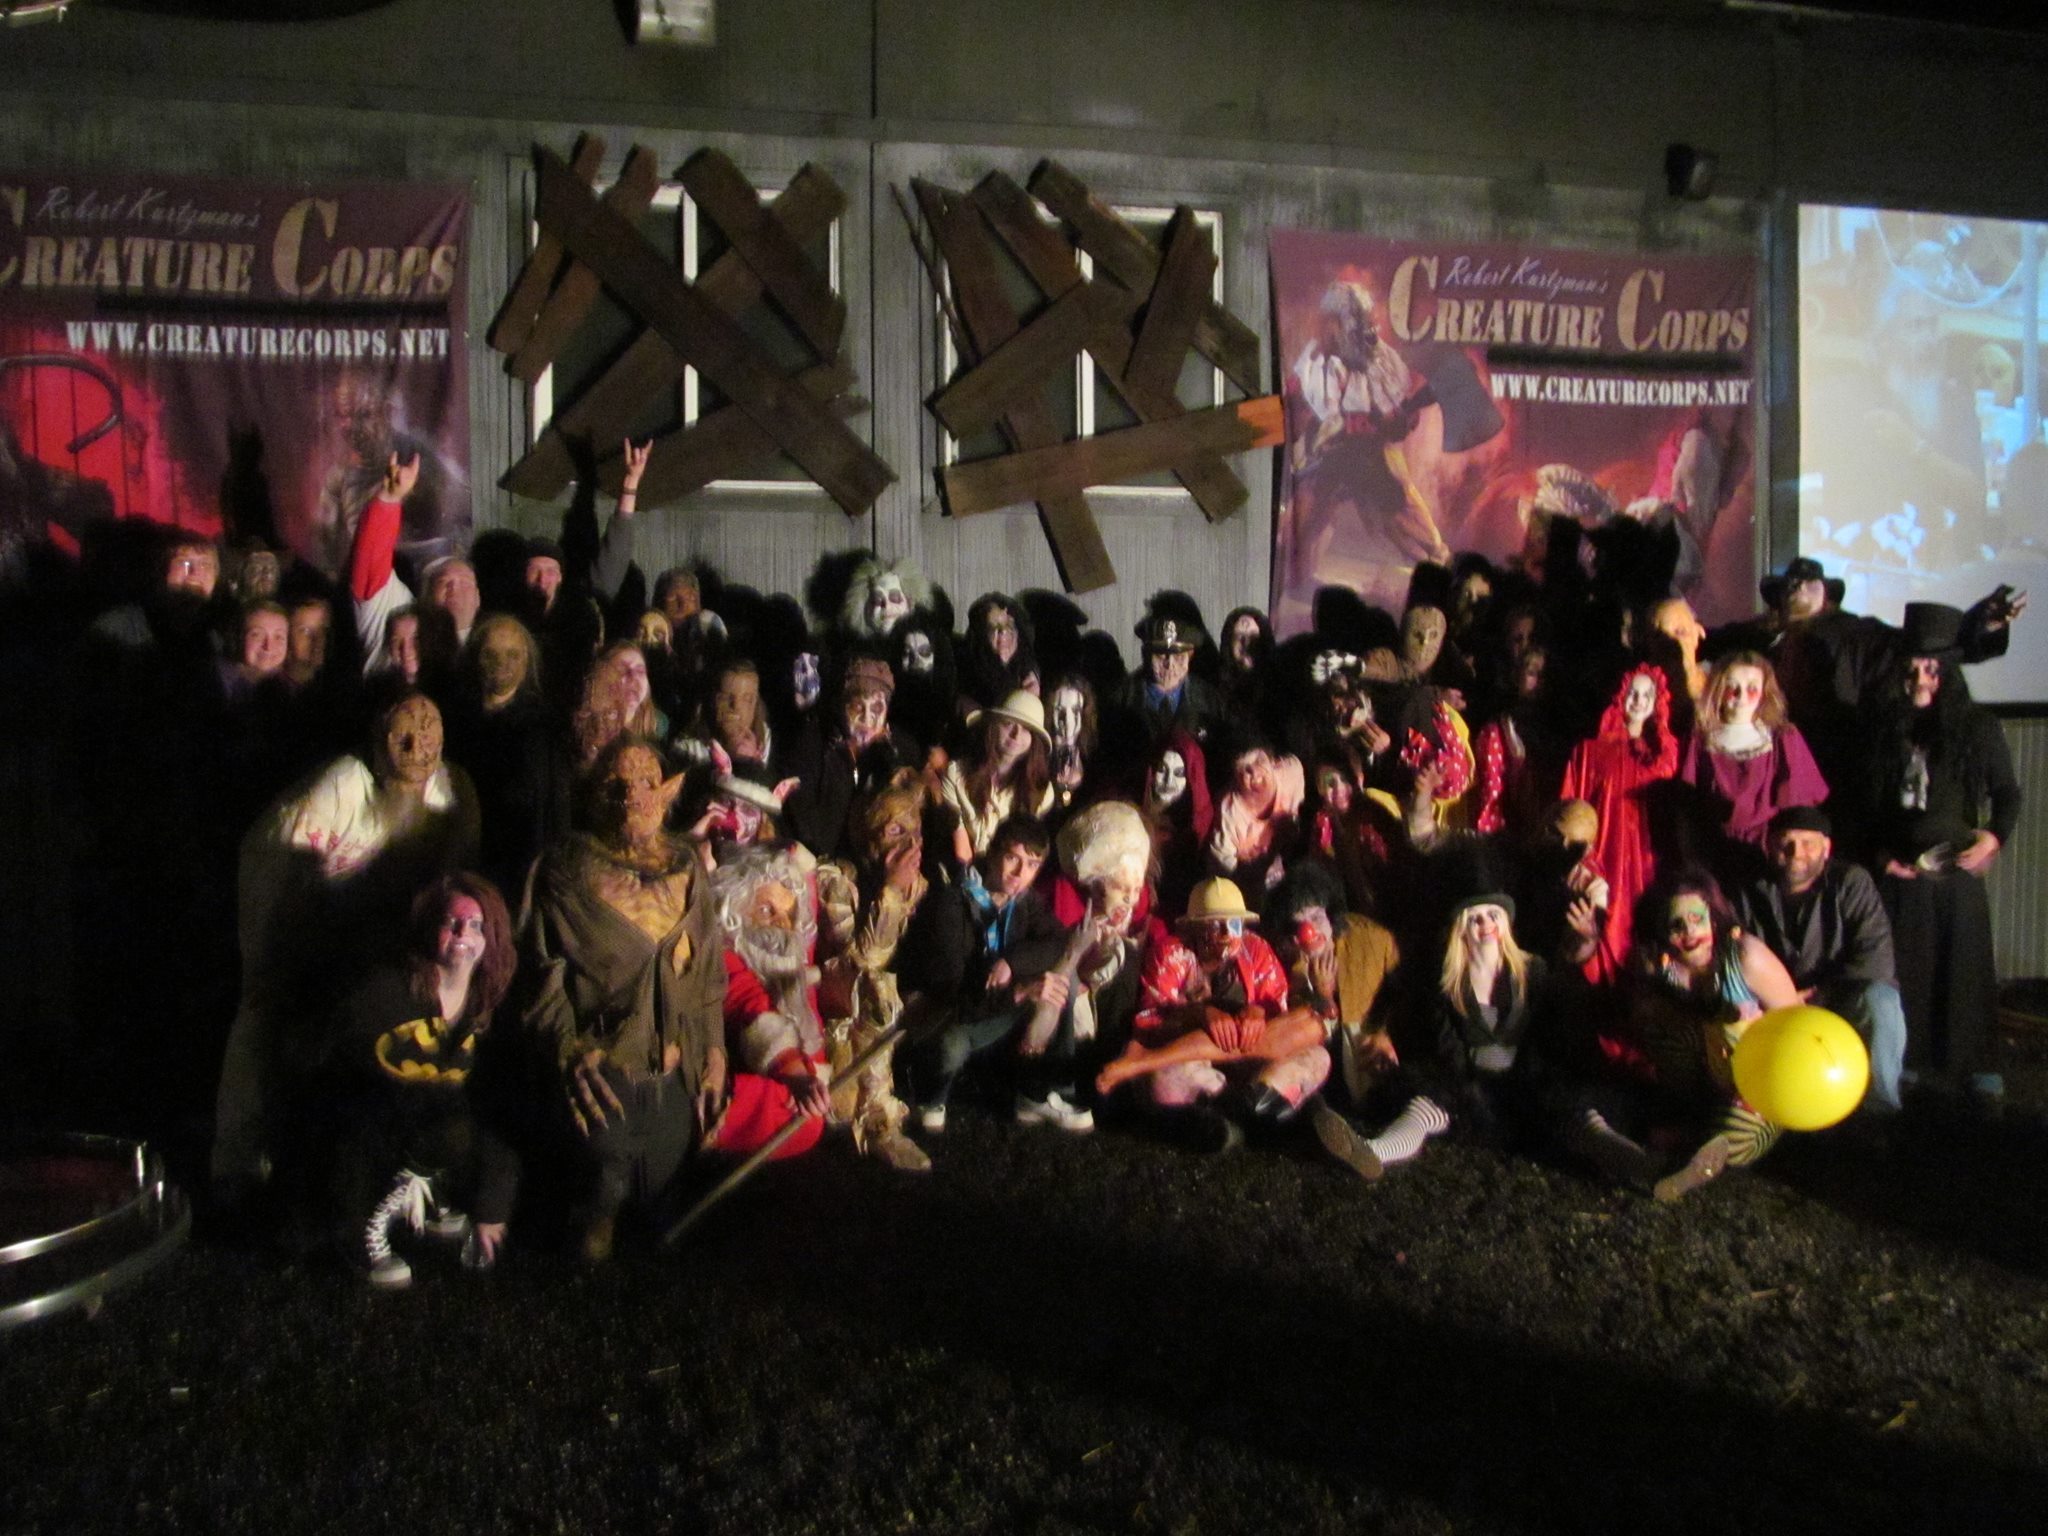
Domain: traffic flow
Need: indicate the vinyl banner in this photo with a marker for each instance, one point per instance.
(238, 358)
(1441, 394)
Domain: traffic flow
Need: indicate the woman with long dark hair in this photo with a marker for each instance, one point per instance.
(1008, 770)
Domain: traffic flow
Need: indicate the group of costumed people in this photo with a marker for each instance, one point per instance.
(573, 920)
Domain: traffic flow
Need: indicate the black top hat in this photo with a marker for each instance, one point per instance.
(1933, 629)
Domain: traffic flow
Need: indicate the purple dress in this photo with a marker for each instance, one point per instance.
(1743, 792)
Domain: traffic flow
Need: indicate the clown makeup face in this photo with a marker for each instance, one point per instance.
(402, 646)
(501, 663)
(194, 569)
(1483, 926)
(1640, 702)
(999, 629)
(888, 604)
(1312, 934)
(1690, 927)
(1800, 857)
(1169, 777)
(1923, 680)
(631, 797)
(412, 742)
(867, 717)
(655, 632)
(1216, 940)
(306, 647)
(453, 590)
(735, 706)
(459, 941)
(1422, 636)
(1167, 669)
(1741, 692)
(1066, 716)
(805, 681)
(917, 655)
(265, 639)
(1242, 643)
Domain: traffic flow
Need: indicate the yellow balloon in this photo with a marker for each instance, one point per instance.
(1804, 1067)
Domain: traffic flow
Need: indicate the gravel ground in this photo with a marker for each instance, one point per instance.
(1055, 1334)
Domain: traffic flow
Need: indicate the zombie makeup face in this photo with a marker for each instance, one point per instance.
(655, 632)
(1422, 636)
(1923, 680)
(1167, 669)
(453, 590)
(1800, 857)
(412, 742)
(631, 797)
(501, 663)
(544, 579)
(1169, 777)
(999, 629)
(888, 604)
(459, 941)
(1066, 717)
(266, 637)
(402, 646)
(917, 654)
(805, 680)
(736, 705)
(867, 717)
(1690, 927)
(193, 569)
(1640, 702)
(1114, 900)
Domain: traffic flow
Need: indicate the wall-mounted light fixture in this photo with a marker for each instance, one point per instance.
(679, 23)
(19, 13)
(1689, 172)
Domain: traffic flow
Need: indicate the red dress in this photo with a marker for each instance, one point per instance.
(1615, 773)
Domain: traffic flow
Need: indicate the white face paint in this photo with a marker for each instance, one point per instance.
(918, 656)
(1169, 777)
(1641, 700)
(805, 683)
(888, 604)
(1066, 716)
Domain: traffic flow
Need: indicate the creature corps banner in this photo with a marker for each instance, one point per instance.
(1439, 394)
(234, 357)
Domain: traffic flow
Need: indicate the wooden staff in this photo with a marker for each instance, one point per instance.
(768, 1148)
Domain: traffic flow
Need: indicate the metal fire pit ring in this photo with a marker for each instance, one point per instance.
(80, 1216)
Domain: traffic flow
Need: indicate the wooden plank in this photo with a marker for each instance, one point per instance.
(515, 320)
(1186, 269)
(1128, 256)
(963, 240)
(1110, 458)
(1048, 344)
(705, 337)
(724, 443)
(1043, 252)
(566, 307)
(602, 412)
(802, 292)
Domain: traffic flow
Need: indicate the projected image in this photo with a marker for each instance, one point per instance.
(1923, 467)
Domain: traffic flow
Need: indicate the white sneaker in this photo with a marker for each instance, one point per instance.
(407, 1202)
(931, 1119)
(1055, 1110)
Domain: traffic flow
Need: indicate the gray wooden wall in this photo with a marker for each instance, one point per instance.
(1505, 119)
